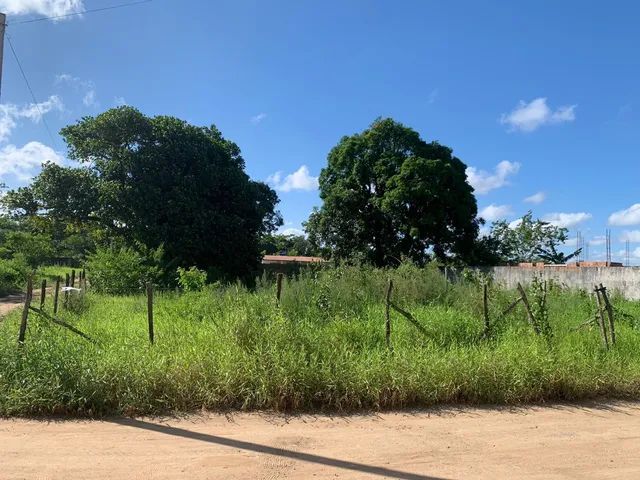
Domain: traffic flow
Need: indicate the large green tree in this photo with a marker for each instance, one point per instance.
(388, 194)
(159, 181)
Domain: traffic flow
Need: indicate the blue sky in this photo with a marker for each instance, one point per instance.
(540, 99)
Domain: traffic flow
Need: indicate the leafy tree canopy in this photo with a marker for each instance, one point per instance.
(292, 245)
(156, 181)
(388, 194)
(527, 240)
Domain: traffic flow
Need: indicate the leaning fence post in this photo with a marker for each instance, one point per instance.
(56, 293)
(73, 278)
(600, 317)
(66, 292)
(25, 312)
(609, 308)
(43, 292)
(150, 310)
(388, 314)
(485, 307)
(525, 300)
(279, 286)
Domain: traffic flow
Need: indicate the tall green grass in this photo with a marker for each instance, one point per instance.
(323, 348)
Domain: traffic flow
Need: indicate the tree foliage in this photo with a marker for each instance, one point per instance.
(123, 270)
(156, 181)
(58, 206)
(528, 240)
(288, 245)
(388, 194)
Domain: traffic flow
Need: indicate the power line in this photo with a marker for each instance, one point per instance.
(33, 96)
(113, 7)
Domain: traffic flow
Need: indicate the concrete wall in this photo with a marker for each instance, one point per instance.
(625, 280)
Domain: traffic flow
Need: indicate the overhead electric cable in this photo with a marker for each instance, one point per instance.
(55, 17)
(33, 96)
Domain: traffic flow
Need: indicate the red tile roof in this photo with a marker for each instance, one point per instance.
(286, 259)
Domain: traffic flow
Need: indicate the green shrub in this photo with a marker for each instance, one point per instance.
(192, 279)
(123, 270)
(13, 274)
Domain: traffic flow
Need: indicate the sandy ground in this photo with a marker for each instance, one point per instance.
(575, 442)
(9, 303)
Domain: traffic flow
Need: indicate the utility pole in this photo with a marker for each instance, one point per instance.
(3, 24)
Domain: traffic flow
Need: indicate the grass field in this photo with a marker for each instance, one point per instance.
(51, 272)
(322, 348)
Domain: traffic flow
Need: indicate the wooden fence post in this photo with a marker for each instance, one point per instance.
(279, 286)
(66, 292)
(609, 307)
(56, 293)
(73, 278)
(388, 314)
(43, 292)
(485, 307)
(525, 300)
(150, 310)
(25, 311)
(600, 318)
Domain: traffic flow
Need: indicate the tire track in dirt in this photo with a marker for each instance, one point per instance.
(276, 467)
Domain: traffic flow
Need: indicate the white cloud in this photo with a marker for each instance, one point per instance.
(596, 255)
(496, 212)
(119, 101)
(528, 117)
(298, 180)
(621, 255)
(89, 99)
(11, 113)
(24, 161)
(483, 182)
(536, 198)
(572, 241)
(65, 78)
(48, 8)
(86, 87)
(631, 236)
(629, 216)
(598, 240)
(566, 220)
(258, 118)
(515, 223)
(293, 231)
(432, 96)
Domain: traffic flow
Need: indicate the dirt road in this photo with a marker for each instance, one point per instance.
(595, 441)
(10, 302)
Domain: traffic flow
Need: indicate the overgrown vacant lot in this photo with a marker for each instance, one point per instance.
(322, 348)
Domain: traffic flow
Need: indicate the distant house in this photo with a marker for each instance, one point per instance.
(288, 264)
